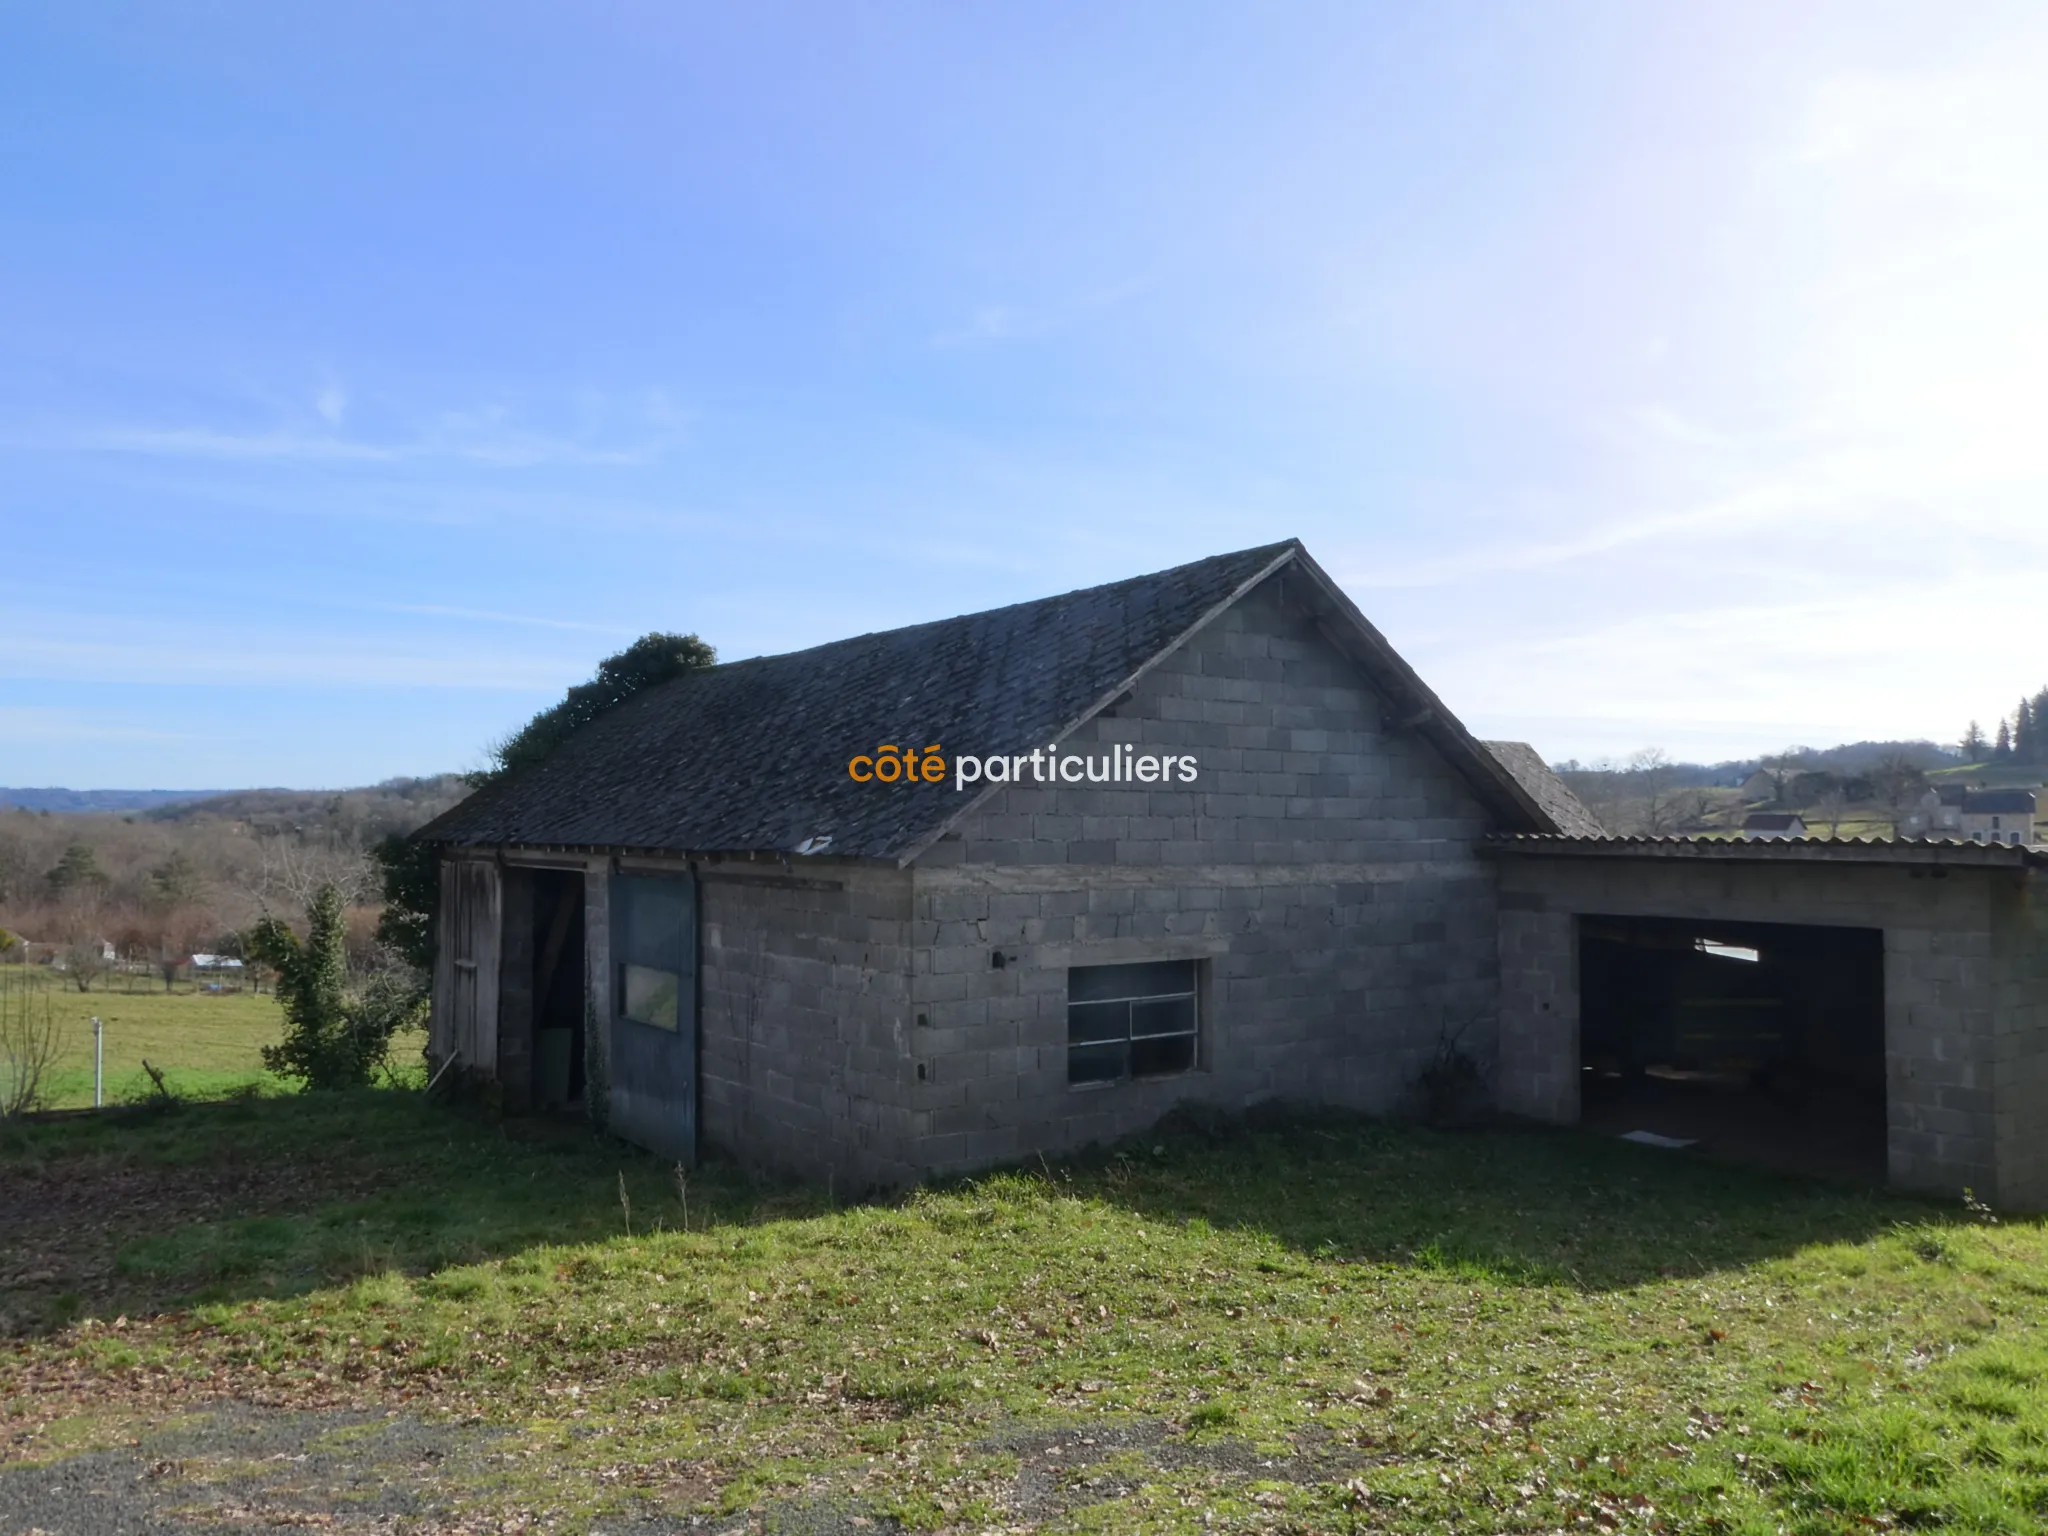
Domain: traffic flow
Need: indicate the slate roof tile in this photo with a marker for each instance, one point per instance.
(752, 755)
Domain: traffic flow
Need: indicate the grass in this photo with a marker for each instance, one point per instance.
(208, 1045)
(1995, 775)
(1312, 1323)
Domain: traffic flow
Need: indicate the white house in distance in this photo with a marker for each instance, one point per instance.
(1998, 816)
(1773, 824)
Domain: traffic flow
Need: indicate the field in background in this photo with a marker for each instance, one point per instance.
(206, 1044)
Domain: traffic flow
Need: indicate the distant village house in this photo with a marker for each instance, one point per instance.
(1998, 816)
(1773, 824)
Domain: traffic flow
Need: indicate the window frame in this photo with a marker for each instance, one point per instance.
(1195, 995)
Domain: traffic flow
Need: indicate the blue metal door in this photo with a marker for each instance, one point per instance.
(654, 1013)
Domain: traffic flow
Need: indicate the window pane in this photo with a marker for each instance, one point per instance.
(1168, 1016)
(656, 915)
(650, 996)
(1168, 1053)
(1103, 983)
(1096, 1063)
(1088, 1023)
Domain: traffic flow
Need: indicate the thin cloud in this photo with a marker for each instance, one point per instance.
(29, 722)
(485, 616)
(510, 450)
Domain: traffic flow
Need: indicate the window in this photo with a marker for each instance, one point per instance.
(649, 995)
(654, 935)
(1727, 951)
(1128, 1021)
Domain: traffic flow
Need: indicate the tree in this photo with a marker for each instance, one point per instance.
(176, 882)
(652, 659)
(411, 877)
(1974, 745)
(76, 872)
(1654, 776)
(332, 1040)
(85, 962)
(2002, 750)
(1832, 807)
(1898, 781)
(31, 1042)
(14, 867)
(1781, 768)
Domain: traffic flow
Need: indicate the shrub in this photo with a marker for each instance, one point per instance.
(332, 1039)
(30, 1042)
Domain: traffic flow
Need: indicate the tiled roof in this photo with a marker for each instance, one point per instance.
(752, 755)
(1994, 802)
(1791, 850)
(1546, 788)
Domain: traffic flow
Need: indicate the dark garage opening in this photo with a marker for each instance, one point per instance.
(1762, 1042)
(557, 989)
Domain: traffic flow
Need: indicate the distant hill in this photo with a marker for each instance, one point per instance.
(76, 800)
(396, 805)
(1848, 760)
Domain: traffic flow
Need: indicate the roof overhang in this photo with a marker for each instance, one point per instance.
(1915, 852)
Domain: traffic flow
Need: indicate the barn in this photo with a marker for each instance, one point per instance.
(1025, 880)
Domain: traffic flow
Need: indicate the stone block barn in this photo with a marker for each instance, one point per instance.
(1197, 837)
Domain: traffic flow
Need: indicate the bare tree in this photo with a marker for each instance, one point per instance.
(1781, 768)
(291, 871)
(31, 1040)
(85, 961)
(1655, 779)
(1693, 809)
(1832, 807)
(1898, 782)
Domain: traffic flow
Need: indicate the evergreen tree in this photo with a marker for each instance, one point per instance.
(2025, 734)
(2001, 751)
(77, 871)
(653, 658)
(175, 882)
(331, 1040)
(411, 876)
(1973, 744)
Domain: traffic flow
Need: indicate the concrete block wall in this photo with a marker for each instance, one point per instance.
(1321, 868)
(1538, 1074)
(1964, 1026)
(2019, 980)
(805, 1059)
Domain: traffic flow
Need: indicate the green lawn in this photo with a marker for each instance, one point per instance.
(206, 1044)
(1309, 1324)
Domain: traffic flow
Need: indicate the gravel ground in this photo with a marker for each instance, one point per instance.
(250, 1469)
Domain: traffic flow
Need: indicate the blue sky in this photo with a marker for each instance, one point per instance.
(1652, 374)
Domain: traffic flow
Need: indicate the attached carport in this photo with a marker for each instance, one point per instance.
(1870, 1009)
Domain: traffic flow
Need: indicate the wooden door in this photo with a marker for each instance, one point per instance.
(654, 1013)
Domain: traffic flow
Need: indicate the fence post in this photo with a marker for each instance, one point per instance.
(98, 1059)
